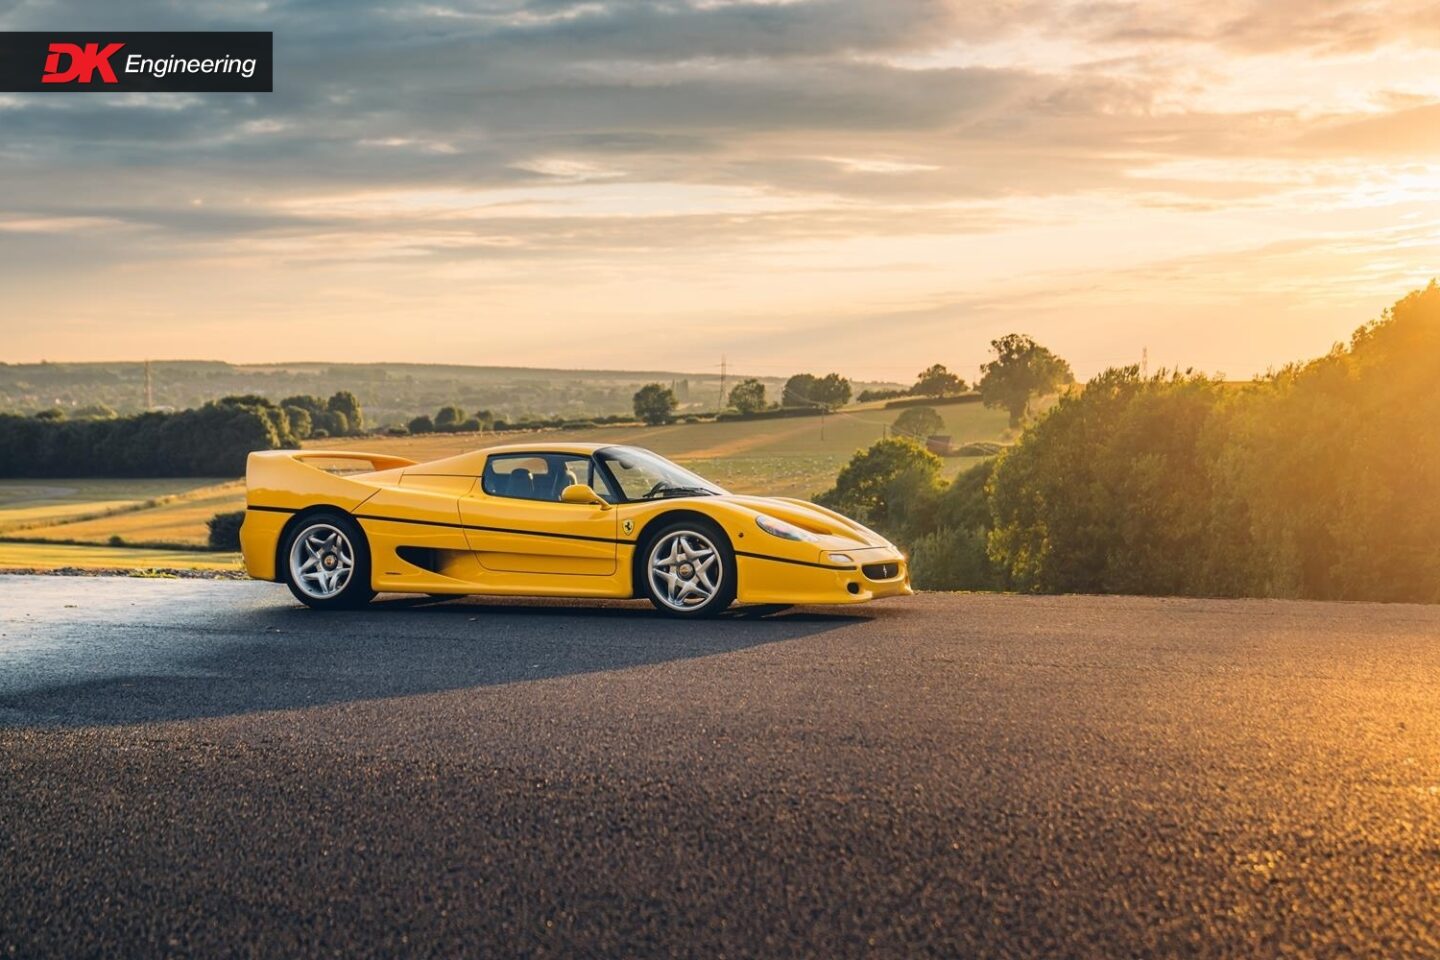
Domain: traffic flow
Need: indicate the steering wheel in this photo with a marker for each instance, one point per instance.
(659, 485)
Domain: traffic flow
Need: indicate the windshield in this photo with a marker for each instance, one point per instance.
(642, 475)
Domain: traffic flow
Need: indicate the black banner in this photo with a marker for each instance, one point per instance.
(125, 62)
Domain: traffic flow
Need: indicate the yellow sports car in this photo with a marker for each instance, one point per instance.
(547, 519)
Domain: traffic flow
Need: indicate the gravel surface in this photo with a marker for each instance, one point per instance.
(199, 768)
(177, 573)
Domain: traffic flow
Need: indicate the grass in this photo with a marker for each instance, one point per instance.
(28, 503)
(53, 556)
(77, 519)
(176, 519)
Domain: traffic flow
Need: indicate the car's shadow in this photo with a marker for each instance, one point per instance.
(245, 659)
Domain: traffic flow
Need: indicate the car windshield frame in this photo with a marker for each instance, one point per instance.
(686, 483)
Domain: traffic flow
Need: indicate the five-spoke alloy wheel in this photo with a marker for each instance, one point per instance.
(690, 570)
(328, 562)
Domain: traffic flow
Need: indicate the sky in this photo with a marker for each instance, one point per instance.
(867, 186)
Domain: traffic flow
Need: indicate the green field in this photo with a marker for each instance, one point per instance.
(52, 556)
(165, 513)
(28, 503)
(793, 457)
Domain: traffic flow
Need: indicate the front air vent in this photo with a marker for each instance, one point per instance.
(881, 571)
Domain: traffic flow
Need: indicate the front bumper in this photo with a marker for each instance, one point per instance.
(876, 573)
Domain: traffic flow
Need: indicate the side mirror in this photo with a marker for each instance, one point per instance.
(581, 493)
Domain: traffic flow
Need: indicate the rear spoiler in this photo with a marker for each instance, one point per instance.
(378, 461)
(291, 479)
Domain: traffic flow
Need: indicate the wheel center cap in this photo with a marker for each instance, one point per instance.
(686, 570)
(329, 561)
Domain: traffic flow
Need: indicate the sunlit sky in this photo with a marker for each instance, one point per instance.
(868, 186)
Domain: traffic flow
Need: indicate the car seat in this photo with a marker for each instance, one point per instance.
(521, 484)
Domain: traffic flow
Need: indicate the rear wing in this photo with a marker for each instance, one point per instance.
(377, 461)
(296, 479)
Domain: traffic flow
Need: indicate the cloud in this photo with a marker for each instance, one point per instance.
(727, 146)
(1251, 26)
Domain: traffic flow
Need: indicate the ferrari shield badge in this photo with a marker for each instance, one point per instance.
(627, 526)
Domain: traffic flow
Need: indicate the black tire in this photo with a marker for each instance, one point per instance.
(685, 543)
(317, 530)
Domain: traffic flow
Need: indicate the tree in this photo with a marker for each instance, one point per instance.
(1021, 370)
(876, 481)
(808, 390)
(301, 423)
(1113, 491)
(748, 396)
(344, 402)
(832, 390)
(918, 422)
(449, 418)
(937, 382)
(655, 403)
(324, 420)
(422, 424)
(799, 391)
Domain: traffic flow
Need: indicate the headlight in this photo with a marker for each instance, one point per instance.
(783, 530)
(840, 558)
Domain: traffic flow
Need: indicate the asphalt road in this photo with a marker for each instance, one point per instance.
(204, 769)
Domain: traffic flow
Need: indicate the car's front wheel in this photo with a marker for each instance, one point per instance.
(327, 562)
(689, 570)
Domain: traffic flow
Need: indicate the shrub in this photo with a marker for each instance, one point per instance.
(980, 448)
(212, 440)
(952, 560)
(876, 482)
(225, 530)
(449, 418)
(908, 401)
(1110, 491)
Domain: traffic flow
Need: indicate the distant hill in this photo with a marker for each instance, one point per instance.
(389, 392)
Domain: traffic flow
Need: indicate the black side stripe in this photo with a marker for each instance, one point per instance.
(546, 533)
(472, 526)
(798, 563)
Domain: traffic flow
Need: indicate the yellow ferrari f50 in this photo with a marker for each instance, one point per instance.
(547, 519)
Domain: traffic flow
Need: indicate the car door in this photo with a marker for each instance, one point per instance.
(516, 523)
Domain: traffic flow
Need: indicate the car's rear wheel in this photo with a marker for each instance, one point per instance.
(689, 569)
(327, 562)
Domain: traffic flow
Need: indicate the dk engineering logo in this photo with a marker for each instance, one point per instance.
(211, 62)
